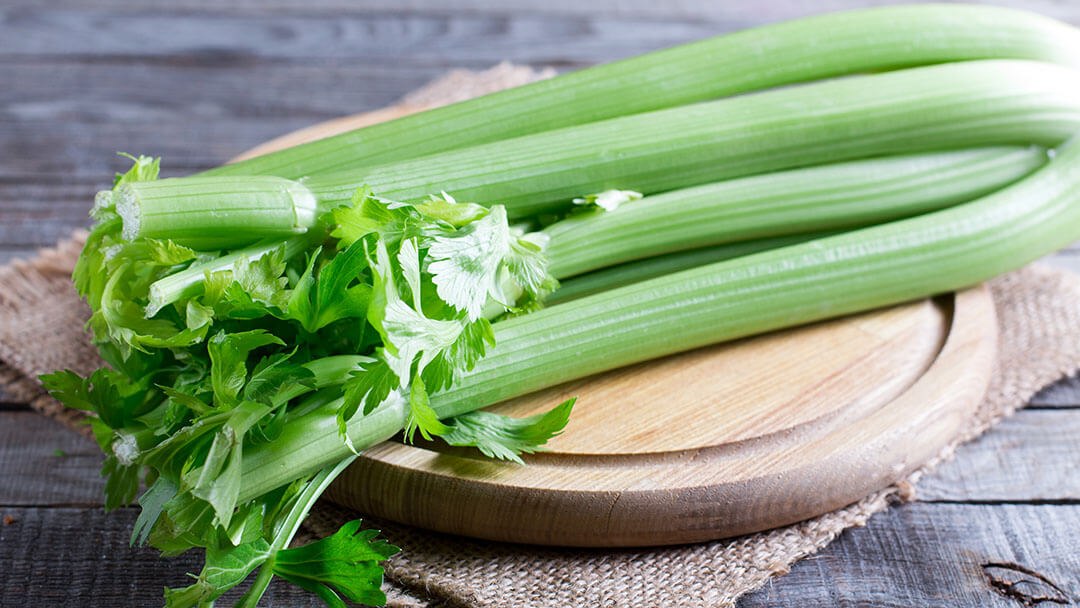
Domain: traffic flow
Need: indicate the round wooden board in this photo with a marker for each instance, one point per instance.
(717, 442)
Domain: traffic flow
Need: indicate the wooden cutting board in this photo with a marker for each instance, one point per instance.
(717, 442)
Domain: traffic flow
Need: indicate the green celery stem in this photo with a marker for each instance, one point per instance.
(959, 105)
(648, 268)
(843, 195)
(862, 41)
(216, 212)
(848, 194)
(268, 466)
(951, 106)
(825, 278)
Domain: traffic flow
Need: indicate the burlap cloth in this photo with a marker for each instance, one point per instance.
(41, 322)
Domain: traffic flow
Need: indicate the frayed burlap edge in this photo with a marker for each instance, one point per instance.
(38, 308)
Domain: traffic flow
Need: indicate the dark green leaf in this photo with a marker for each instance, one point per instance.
(462, 355)
(365, 216)
(152, 503)
(251, 289)
(368, 387)
(218, 481)
(70, 388)
(191, 402)
(317, 302)
(121, 484)
(273, 373)
(187, 522)
(228, 361)
(225, 568)
(108, 393)
(345, 564)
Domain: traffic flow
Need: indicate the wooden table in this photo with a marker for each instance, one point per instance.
(196, 84)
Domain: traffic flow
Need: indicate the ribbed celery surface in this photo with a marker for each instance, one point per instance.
(826, 46)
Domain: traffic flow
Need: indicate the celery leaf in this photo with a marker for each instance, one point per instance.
(608, 200)
(228, 361)
(344, 564)
(331, 295)
(464, 265)
(421, 416)
(225, 568)
(503, 437)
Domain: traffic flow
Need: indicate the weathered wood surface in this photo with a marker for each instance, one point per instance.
(738, 13)
(79, 556)
(82, 79)
(1030, 457)
(1065, 393)
(932, 561)
(45, 464)
(930, 553)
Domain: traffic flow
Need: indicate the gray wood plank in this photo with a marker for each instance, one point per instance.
(441, 39)
(19, 252)
(1033, 456)
(146, 94)
(914, 555)
(1062, 394)
(77, 557)
(748, 13)
(940, 555)
(193, 118)
(45, 464)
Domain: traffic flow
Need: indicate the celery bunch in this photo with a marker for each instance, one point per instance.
(265, 323)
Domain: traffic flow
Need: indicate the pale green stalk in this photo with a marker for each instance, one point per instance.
(660, 265)
(843, 195)
(859, 270)
(802, 200)
(861, 41)
(980, 103)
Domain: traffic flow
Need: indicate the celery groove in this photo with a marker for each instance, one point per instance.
(978, 103)
(802, 200)
(826, 46)
(641, 269)
(820, 279)
(795, 201)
